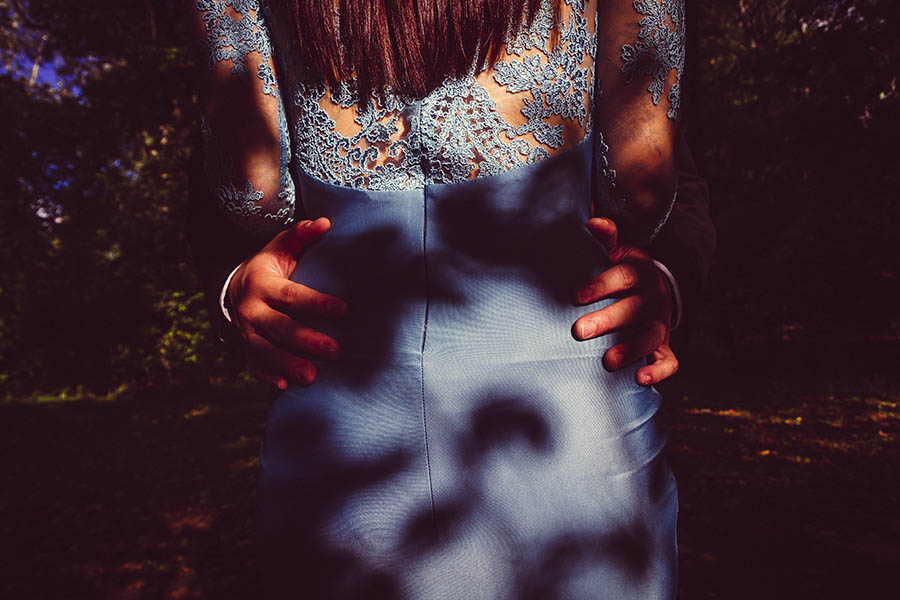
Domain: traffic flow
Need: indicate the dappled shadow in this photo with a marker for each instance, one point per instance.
(380, 272)
(499, 422)
(531, 222)
(572, 555)
(299, 508)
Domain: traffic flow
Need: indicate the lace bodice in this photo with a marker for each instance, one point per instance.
(536, 100)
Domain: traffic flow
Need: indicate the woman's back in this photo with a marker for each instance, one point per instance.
(535, 101)
(464, 445)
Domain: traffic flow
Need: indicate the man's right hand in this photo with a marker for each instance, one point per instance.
(268, 309)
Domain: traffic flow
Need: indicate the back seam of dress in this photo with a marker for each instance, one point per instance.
(422, 352)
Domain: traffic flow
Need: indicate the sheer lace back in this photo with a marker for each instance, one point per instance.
(535, 101)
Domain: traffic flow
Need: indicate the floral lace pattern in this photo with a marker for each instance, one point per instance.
(243, 203)
(234, 39)
(465, 129)
(235, 30)
(658, 50)
(457, 132)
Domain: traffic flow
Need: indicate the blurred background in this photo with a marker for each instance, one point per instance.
(129, 441)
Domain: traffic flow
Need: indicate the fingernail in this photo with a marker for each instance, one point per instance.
(611, 360)
(644, 379)
(328, 347)
(305, 374)
(588, 329)
(582, 295)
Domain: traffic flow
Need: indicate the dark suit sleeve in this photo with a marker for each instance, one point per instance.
(217, 245)
(687, 241)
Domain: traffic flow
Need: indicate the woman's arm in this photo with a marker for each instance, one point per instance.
(640, 58)
(245, 137)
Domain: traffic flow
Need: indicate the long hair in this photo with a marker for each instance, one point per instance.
(409, 45)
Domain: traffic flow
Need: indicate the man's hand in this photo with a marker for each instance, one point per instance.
(644, 308)
(268, 309)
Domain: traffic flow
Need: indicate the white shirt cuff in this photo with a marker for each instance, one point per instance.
(224, 291)
(676, 310)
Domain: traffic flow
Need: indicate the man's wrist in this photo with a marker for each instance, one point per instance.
(677, 305)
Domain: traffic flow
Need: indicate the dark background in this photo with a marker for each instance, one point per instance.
(129, 444)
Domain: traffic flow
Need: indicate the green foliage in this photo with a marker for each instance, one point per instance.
(98, 291)
(182, 349)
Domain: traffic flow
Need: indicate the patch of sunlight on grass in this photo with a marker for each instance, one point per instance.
(834, 445)
(202, 410)
(245, 463)
(70, 394)
(134, 587)
(190, 519)
(184, 584)
(803, 460)
(730, 413)
(822, 428)
(242, 442)
(144, 566)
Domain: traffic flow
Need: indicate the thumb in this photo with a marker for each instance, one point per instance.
(605, 232)
(301, 236)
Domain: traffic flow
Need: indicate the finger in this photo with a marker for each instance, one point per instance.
(645, 340)
(301, 236)
(298, 339)
(617, 279)
(294, 298)
(273, 365)
(664, 366)
(606, 232)
(609, 318)
(274, 381)
(268, 378)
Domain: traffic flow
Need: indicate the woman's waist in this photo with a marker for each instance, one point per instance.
(492, 321)
(405, 297)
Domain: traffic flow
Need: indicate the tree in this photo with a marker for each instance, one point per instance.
(95, 196)
(796, 112)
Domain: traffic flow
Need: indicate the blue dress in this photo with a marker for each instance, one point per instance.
(465, 445)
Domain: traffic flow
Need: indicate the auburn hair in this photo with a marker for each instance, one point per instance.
(410, 46)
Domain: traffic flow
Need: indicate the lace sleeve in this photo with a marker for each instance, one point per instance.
(640, 59)
(245, 133)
